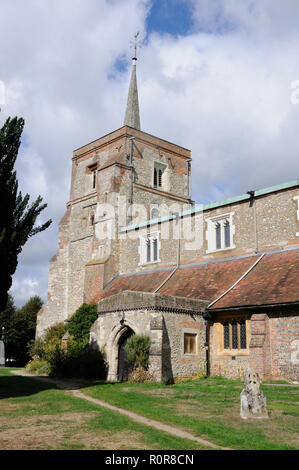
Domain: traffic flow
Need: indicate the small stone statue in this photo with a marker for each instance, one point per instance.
(253, 401)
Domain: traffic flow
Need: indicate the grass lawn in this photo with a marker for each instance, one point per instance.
(36, 415)
(210, 408)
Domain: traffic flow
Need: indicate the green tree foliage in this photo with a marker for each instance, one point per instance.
(17, 217)
(137, 351)
(42, 348)
(81, 322)
(7, 314)
(54, 334)
(77, 360)
(20, 326)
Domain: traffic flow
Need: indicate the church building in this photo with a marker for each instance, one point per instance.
(214, 286)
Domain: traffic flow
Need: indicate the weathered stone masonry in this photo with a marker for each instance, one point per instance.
(242, 268)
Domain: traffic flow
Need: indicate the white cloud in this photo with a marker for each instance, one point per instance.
(22, 290)
(223, 91)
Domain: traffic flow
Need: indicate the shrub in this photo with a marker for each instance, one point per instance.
(43, 348)
(137, 351)
(140, 375)
(81, 322)
(85, 363)
(78, 360)
(55, 333)
(38, 366)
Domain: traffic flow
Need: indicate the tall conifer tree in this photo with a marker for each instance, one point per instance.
(17, 217)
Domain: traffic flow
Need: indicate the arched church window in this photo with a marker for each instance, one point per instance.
(155, 177)
(218, 236)
(160, 178)
(220, 232)
(159, 169)
(155, 213)
(227, 234)
(149, 250)
(155, 249)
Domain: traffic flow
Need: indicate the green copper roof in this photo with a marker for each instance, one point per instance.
(213, 205)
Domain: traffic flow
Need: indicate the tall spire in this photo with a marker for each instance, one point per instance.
(132, 117)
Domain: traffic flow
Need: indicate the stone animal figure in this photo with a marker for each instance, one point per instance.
(253, 401)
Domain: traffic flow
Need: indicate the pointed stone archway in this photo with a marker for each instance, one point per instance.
(118, 368)
(123, 368)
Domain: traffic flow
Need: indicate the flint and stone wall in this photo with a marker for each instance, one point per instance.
(277, 226)
(164, 319)
(87, 258)
(273, 346)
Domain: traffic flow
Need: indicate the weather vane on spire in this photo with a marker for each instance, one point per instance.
(135, 43)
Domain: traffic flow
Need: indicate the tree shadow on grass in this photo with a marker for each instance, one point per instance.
(13, 386)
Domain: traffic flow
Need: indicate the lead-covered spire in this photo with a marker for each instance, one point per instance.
(132, 117)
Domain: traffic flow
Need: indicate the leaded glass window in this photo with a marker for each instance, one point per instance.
(234, 334)
(148, 250)
(155, 246)
(218, 236)
(243, 342)
(226, 335)
(227, 234)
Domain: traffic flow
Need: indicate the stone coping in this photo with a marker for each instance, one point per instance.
(136, 300)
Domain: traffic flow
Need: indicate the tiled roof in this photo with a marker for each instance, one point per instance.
(142, 282)
(273, 280)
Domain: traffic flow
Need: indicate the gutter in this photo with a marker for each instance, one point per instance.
(253, 204)
(257, 306)
(188, 165)
(132, 179)
(178, 256)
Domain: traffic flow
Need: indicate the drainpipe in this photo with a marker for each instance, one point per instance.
(178, 220)
(207, 317)
(132, 178)
(177, 215)
(253, 204)
(188, 165)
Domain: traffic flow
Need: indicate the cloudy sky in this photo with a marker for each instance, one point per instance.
(214, 76)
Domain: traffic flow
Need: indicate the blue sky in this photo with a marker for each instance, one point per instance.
(170, 16)
(174, 17)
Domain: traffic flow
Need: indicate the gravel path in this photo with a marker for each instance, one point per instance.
(73, 387)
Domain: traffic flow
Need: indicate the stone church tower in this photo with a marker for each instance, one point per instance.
(111, 178)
